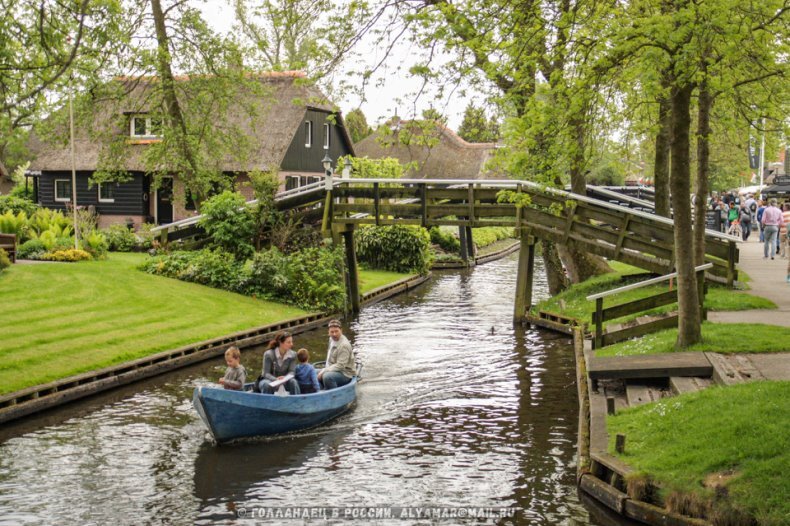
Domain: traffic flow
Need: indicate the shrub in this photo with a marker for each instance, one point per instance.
(214, 268)
(71, 254)
(491, 234)
(14, 223)
(230, 223)
(396, 248)
(311, 278)
(5, 261)
(32, 249)
(16, 204)
(145, 238)
(62, 243)
(95, 244)
(120, 238)
(445, 239)
(45, 219)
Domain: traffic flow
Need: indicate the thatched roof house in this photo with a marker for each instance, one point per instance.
(279, 123)
(434, 150)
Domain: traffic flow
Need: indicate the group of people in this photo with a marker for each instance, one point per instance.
(280, 360)
(770, 220)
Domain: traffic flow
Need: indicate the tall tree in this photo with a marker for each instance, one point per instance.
(477, 127)
(357, 125)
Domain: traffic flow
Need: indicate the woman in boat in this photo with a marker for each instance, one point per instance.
(278, 361)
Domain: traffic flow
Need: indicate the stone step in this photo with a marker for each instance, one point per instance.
(650, 366)
(688, 384)
(731, 369)
(638, 394)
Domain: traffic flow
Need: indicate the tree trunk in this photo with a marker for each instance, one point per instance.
(661, 171)
(555, 273)
(703, 168)
(172, 106)
(580, 265)
(689, 330)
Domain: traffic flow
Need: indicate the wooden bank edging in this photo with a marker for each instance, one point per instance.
(599, 475)
(38, 398)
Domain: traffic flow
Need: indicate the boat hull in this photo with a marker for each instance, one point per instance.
(237, 414)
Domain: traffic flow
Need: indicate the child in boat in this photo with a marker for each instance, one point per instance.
(235, 374)
(305, 374)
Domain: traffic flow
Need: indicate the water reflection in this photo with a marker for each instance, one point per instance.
(450, 413)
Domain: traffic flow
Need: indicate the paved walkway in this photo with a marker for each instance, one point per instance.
(768, 280)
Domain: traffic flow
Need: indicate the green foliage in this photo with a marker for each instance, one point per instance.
(311, 278)
(214, 268)
(17, 224)
(95, 244)
(120, 238)
(397, 248)
(488, 235)
(145, 238)
(5, 261)
(357, 125)
(477, 127)
(47, 219)
(68, 255)
(17, 204)
(445, 239)
(32, 249)
(365, 168)
(230, 223)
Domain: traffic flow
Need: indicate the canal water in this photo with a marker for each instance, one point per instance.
(457, 408)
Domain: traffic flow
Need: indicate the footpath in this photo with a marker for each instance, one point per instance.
(610, 384)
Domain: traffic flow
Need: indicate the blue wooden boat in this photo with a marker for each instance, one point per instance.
(237, 414)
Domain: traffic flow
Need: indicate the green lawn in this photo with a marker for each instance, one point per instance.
(61, 319)
(373, 279)
(573, 302)
(741, 432)
(717, 337)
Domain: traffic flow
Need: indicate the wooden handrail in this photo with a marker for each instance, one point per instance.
(645, 283)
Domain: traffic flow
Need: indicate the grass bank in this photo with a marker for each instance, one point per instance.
(573, 302)
(724, 450)
(717, 337)
(65, 319)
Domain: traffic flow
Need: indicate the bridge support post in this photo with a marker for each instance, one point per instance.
(526, 269)
(463, 240)
(353, 274)
(470, 243)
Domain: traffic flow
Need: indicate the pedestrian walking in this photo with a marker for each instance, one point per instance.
(746, 221)
(760, 211)
(772, 221)
(783, 231)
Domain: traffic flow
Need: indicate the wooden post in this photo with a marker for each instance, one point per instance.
(598, 339)
(163, 237)
(353, 275)
(462, 239)
(376, 201)
(701, 289)
(470, 243)
(610, 405)
(526, 268)
(424, 206)
(326, 222)
(619, 443)
(731, 260)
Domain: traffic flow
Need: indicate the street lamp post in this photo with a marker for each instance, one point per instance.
(347, 166)
(327, 163)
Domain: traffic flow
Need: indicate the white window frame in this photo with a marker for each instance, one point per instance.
(326, 136)
(308, 134)
(104, 200)
(62, 199)
(148, 127)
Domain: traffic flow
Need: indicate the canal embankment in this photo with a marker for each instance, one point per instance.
(698, 437)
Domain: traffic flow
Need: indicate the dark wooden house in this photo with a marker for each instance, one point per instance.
(293, 127)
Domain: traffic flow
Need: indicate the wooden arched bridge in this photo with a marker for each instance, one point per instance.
(587, 224)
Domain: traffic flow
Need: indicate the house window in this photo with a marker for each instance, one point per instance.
(291, 182)
(106, 193)
(308, 134)
(62, 190)
(145, 126)
(326, 136)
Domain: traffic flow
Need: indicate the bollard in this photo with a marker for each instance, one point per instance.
(610, 405)
(619, 443)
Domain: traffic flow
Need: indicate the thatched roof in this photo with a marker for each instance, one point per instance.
(439, 153)
(268, 118)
